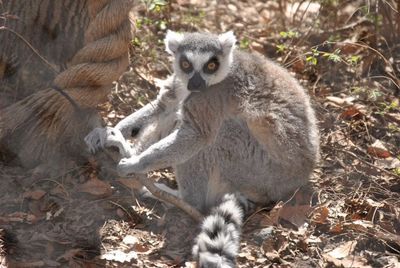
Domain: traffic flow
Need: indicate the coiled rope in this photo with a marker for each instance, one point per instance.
(45, 124)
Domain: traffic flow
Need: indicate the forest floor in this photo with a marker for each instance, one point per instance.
(349, 216)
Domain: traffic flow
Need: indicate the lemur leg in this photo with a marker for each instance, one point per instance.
(193, 183)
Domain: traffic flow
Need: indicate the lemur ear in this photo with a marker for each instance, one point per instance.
(172, 41)
(227, 40)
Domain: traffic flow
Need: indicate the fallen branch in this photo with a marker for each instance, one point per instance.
(167, 197)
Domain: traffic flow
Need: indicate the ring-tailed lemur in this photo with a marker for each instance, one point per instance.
(227, 121)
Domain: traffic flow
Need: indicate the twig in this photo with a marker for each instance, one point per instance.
(393, 77)
(56, 182)
(282, 11)
(304, 12)
(268, 208)
(281, 203)
(366, 163)
(3, 28)
(167, 197)
(124, 209)
(391, 7)
(350, 26)
(386, 77)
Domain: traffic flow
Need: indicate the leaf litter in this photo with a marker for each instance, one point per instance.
(89, 218)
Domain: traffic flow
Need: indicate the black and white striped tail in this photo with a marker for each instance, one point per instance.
(219, 240)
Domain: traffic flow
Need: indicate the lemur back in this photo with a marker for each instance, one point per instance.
(238, 124)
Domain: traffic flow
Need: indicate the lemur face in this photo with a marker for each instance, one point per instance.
(200, 59)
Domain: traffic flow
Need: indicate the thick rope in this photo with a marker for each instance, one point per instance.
(46, 121)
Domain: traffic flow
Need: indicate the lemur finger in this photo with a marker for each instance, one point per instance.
(94, 140)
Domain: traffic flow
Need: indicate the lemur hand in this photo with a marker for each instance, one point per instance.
(130, 165)
(100, 138)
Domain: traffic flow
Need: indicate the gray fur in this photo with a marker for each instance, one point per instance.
(251, 130)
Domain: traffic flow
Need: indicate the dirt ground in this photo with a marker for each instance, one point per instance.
(349, 215)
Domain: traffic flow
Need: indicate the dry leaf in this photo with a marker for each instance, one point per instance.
(377, 152)
(360, 225)
(121, 213)
(313, 239)
(393, 117)
(297, 215)
(272, 256)
(302, 245)
(70, 254)
(130, 240)
(111, 114)
(19, 217)
(377, 149)
(191, 264)
(343, 250)
(189, 2)
(268, 245)
(308, 8)
(367, 227)
(336, 229)
(132, 184)
(59, 190)
(299, 66)
(389, 163)
(274, 244)
(273, 216)
(35, 195)
(119, 256)
(320, 215)
(96, 187)
(351, 261)
(347, 47)
(139, 248)
(352, 112)
(340, 101)
(342, 256)
(373, 203)
(247, 256)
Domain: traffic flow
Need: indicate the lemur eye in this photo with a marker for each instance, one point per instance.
(186, 65)
(211, 66)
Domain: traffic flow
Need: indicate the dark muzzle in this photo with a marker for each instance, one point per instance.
(196, 83)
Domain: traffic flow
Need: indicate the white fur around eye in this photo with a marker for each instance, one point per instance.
(172, 41)
(198, 59)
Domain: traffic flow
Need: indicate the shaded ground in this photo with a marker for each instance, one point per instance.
(349, 62)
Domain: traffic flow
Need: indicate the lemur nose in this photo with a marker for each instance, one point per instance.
(196, 82)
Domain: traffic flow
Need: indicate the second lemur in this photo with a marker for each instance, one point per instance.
(234, 126)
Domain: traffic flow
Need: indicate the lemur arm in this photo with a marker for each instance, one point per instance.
(165, 102)
(100, 138)
(199, 126)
